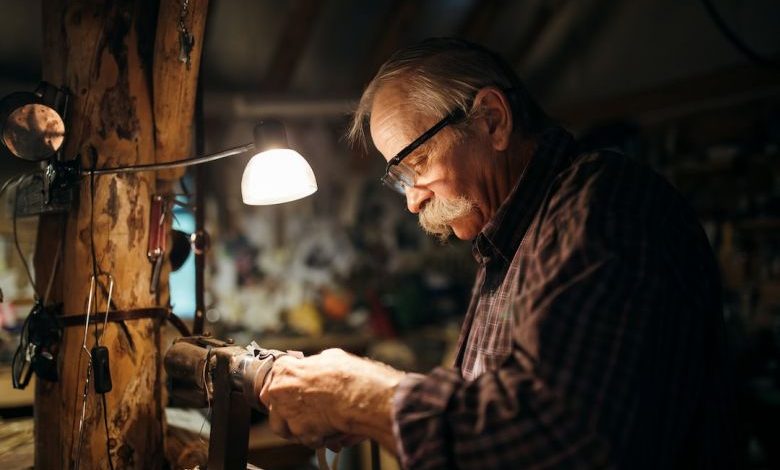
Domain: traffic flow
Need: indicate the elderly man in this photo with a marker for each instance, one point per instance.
(594, 334)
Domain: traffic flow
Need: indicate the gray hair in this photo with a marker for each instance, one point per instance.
(442, 74)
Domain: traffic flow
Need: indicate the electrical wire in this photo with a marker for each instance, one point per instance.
(85, 102)
(53, 272)
(92, 223)
(18, 247)
(94, 299)
(13, 180)
(98, 341)
(5, 186)
(105, 426)
(735, 40)
(85, 392)
(108, 302)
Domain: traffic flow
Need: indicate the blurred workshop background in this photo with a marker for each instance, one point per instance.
(690, 86)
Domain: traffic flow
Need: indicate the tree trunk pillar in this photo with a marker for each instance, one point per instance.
(102, 51)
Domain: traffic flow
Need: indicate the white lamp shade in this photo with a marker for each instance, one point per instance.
(276, 176)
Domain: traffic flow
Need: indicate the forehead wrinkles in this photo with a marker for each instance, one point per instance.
(394, 123)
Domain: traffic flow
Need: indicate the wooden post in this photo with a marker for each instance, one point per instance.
(175, 88)
(103, 52)
(175, 82)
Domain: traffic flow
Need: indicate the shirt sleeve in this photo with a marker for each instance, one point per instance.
(591, 283)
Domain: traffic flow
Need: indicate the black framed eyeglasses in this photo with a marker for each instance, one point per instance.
(399, 177)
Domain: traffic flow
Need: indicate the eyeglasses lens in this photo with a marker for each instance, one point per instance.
(399, 177)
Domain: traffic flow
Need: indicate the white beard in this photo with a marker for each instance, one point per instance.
(437, 216)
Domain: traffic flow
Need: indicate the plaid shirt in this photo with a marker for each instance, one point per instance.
(594, 334)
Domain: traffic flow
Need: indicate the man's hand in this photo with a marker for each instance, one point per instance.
(332, 398)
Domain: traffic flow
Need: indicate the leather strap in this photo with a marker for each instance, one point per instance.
(177, 323)
(68, 321)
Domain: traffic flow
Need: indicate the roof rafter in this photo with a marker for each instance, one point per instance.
(291, 44)
(399, 16)
(479, 19)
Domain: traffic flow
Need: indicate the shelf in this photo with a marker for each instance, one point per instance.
(352, 342)
(759, 224)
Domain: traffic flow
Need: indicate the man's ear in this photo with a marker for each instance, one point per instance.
(497, 114)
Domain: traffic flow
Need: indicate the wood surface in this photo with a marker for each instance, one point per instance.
(175, 82)
(103, 52)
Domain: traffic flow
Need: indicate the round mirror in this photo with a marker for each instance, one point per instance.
(33, 132)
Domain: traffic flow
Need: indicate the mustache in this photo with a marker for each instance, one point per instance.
(437, 216)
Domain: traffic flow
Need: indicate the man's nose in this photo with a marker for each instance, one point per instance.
(416, 198)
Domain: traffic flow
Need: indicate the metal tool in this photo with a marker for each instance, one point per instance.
(158, 239)
(205, 372)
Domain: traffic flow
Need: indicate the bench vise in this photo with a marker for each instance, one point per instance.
(204, 372)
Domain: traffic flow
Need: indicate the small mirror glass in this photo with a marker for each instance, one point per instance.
(33, 132)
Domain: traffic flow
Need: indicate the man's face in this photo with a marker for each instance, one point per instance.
(448, 193)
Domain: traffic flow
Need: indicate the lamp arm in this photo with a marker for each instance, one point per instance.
(174, 164)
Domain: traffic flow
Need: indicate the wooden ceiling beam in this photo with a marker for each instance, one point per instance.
(570, 30)
(719, 89)
(479, 19)
(542, 18)
(398, 18)
(292, 44)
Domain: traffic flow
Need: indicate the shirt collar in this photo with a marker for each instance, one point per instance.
(501, 236)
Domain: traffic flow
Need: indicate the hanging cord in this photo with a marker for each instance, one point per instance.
(14, 180)
(16, 240)
(735, 40)
(94, 281)
(92, 222)
(108, 303)
(85, 102)
(53, 272)
(85, 393)
(93, 252)
(103, 395)
(105, 426)
(98, 341)
(6, 184)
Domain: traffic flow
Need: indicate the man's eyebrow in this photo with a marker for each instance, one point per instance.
(416, 156)
(423, 148)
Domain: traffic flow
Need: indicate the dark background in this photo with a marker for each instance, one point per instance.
(348, 266)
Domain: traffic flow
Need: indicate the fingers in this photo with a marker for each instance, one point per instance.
(307, 434)
(295, 428)
(298, 407)
(278, 424)
(311, 441)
